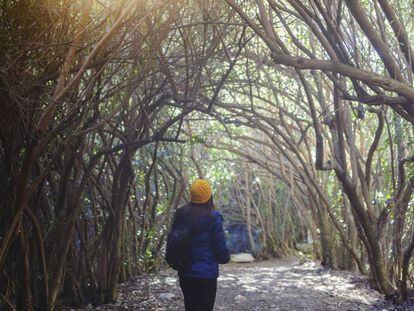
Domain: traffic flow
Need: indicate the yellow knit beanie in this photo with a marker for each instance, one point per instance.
(200, 191)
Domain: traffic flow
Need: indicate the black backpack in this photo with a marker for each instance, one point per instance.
(178, 243)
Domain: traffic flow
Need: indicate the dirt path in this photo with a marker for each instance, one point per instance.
(269, 285)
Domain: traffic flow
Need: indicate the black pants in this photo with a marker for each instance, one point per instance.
(199, 294)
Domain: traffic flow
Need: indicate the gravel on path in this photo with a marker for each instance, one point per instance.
(273, 285)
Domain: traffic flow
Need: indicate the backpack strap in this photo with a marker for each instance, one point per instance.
(185, 217)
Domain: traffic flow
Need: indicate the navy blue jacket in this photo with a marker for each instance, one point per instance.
(208, 245)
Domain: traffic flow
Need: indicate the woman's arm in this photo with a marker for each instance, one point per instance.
(219, 241)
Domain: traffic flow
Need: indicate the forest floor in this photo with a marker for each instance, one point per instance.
(267, 285)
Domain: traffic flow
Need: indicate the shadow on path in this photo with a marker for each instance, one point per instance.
(268, 285)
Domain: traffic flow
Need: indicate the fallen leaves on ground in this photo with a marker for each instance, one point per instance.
(274, 285)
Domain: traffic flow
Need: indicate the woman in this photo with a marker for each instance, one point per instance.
(207, 248)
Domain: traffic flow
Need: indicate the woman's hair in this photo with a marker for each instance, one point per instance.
(200, 208)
